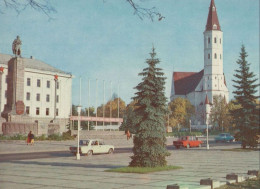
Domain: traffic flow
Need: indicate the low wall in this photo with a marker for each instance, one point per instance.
(14, 128)
(99, 134)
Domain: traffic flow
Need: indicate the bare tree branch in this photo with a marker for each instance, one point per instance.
(142, 12)
(20, 5)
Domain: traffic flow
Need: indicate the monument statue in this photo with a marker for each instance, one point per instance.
(16, 47)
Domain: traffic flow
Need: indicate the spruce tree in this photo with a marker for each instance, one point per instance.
(150, 140)
(246, 117)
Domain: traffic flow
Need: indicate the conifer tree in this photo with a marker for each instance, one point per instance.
(246, 117)
(150, 140)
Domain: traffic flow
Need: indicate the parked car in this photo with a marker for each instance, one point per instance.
(224, 137)
(92, 146)
(187, 142)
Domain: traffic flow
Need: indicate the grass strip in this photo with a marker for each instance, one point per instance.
(143, 170)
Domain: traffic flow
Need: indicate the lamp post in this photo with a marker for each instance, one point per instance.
(1, 73)
(79, 110)
(55, 93)
(207, 132)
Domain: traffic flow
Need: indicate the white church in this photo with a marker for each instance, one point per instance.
(200, 87)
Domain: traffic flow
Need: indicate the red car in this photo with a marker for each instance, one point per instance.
(187, 142)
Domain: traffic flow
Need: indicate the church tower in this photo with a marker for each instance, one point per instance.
(213, 78)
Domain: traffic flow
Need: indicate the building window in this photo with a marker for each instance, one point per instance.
(209, 40)
(47, 111)
(28, 81)
(28, 96)
(57, 112)
(215, 40)
(208, 56)
(38, 83)
(220, 56)
(38, 97)
(58, 85)
(220, 40)
(37, 111)
(47, 98)
(48, 84)
(27, 109)
(57, 98)
(215, 56)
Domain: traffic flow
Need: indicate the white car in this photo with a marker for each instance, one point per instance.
(92, 146)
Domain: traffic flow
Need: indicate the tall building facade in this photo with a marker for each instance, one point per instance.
(201, 87)
(33, 92)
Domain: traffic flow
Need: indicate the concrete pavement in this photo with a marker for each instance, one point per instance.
(89, 172)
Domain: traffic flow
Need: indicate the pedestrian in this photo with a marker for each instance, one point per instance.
(32, 139)
(128, 134)
(29, 138)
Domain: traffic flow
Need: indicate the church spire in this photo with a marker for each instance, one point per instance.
(207, 100)
(212, 22)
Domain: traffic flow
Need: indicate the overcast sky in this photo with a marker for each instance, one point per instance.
(104, 40)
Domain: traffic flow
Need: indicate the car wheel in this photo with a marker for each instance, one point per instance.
(188, 146)
(90, 152)
(110, 151)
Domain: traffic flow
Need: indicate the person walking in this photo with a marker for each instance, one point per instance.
(128, 134)
(29, 138)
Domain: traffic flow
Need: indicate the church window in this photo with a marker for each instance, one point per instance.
(28, 96)
(57, 112)
(27, 109)
(215, 40)
(47, 111)
(28, 81)
(38, 83)
(47, 98)
(214, 27)
(215, 56)
(38, 97)
(58, 85)
(220, 56)
(208, 56)
(57, 98)
(37, 111)
(209, 40)
(48, 84)
(220, 40)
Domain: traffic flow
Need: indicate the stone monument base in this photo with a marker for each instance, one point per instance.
(14, 128)
(53, 128)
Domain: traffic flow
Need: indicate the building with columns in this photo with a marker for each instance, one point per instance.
(33, 94)
(201, 87)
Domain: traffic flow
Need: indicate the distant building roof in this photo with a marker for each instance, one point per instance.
(186, 82)
(212, 22)
(32, 64)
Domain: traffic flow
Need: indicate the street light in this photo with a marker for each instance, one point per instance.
(79, 110)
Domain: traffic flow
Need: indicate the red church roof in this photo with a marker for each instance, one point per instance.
(186, 82)
(212, 22)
